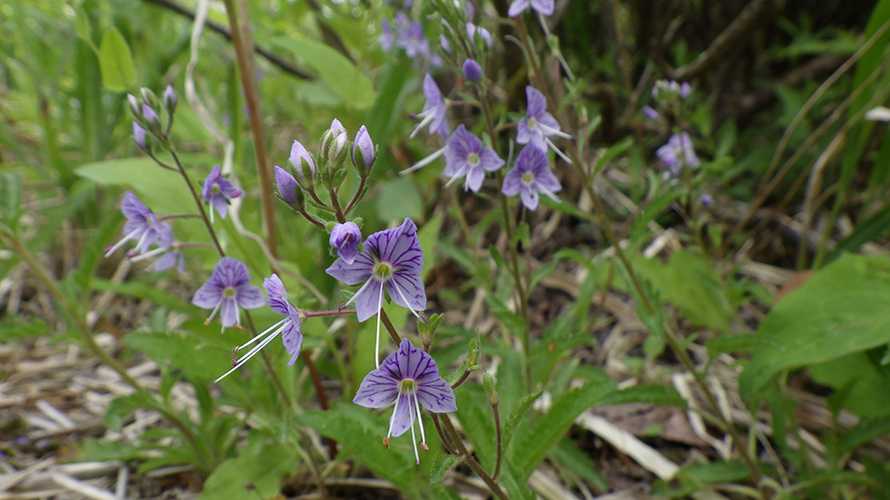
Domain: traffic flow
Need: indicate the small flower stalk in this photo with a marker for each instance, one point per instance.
(410, 378)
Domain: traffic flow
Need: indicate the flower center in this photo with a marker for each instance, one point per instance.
(228, 292)
(408, 386)
(532, 123)
(383, 271)
(215, 188)
(473, 159)
(528, 178)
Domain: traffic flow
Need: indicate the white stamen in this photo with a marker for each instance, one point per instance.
(261, 334)
(120, 243)
(419, 419)
(414, 442)
(251, 353)
(150, 254)
(546, 192)
(377, 344)
(557, 151)
(402, 295)
(395, 409)
(428, 117)
(424, 162)
(215, 310)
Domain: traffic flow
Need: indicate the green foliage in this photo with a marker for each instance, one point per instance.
(115, 61)
(258, 470)
(838, 311)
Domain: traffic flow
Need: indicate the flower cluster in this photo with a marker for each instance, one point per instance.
(408, 35)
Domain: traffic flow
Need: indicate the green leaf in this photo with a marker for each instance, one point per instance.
(10, 198)
(651, 394)
(856, 378)
(863, 432)
(516, 415)
(82, 27)
(125, 405)
(115, 62)
(199, 358)
(841, 309)
(101, 450)
(398, 199)
(689, 282)
(360, 432)
(441, 463)
(529, 449)
(264, 468)
(428, 236)
(159, 189)
(333, 68)
(570, 457)
(718, 471)
(15, 327)
(477, 419)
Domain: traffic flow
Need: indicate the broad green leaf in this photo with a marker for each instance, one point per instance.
(650, 394)
(863, 432)
(102, 450)
(82, 27)
(841, 309)
(428, 236)
(161, 190)
(337, 71)
(360, 432)
(516, 415)
(568, 455)
(689, 282)
(263, 468)
(528, 449)
(441, 463)
(398, 199)
(115, 61)
(856, 378)
(477, 420)
(199, 358)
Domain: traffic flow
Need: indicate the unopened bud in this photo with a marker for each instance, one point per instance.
(363, 152)
(149, 97)
(169, 99)
(472, 361)
(490, 390)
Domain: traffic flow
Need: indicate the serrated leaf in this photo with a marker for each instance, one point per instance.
(199, 358)
(650, 394)
(15, 327)
(115, 62)
(516, 415)
(263, 469)
(529, 449)
(841, 309)
(441, 463)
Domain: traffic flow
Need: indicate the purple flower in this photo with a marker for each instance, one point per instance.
(411, 378)
(301, 160)
(287, 185)
(473, 30)
(169, 247)
(170, 259)
(706, 200)
(466, 156)
(685, 89)
(412, 40)
(531, 175)
(218, 191)
(289, 327)
(139, 135)
(650, 113)
(345, 238)
(445, 44)
(364, 146)
(537, 124)
(544, 7)
(472, 70)
(391, 260)
(433, 113)
(142, 225)
(386, 38)
(677, 153)
(227, 291)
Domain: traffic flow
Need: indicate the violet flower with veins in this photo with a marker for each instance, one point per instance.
(434, 109)
(345, 238)
(218, 191)
(466, 156)
(227, 291)
(288, 328)
(142, 225)
(411, 378)
(544, 7)
(391, 260)
(531, 175)
(537, 124)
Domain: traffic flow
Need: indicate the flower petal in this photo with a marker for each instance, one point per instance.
(543, 6)
(517, 7)
(208, 296)
(537, 103)
(277, 294)
(292, 339)
(367, 300)
(411, 287)
(529, 198)
(228, 313)
(403, 415)
(378, 389)
(475, 176)
(355, 273)
(250, 297)
(436, 395)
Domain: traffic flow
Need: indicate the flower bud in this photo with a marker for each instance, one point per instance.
(169, 99)
(135, 107)
(363, 154)
(472, 71)
(139, 134)
(149, 97)
(287, 185)
(490, 390)
(333, 140)
(345, 238)
(650, 113)
(302, 162)
(472, 361)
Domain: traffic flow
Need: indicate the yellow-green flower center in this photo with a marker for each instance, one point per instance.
(214, 189)
(228, 292)
(532, 123)
(408, 386)
(383, 270)
(528, 178)
(473, 159)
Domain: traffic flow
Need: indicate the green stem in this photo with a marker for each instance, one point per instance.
(468, 458)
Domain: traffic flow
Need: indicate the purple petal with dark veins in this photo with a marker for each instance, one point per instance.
(355, 273)
(249, 297)
(228, 313)
(523, 134)
(537, 103)
(277, 294)
(436, 395)
(512, 182)
(378, 389)
(403, 415)
(133, 208)
(367, 300)
(208, 296)
(412, 288)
